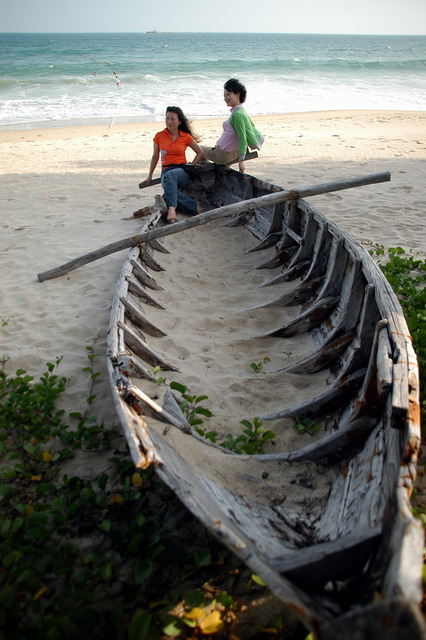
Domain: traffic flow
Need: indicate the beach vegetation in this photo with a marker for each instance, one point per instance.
(406, 273)
(190, 404)
(258, 366)
(251, 441)
(305, 425)
(94, 554)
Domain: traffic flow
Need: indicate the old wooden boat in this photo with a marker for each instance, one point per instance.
(324, 520)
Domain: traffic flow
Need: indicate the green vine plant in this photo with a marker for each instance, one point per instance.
(3, 358)
(258, 366)
(305, 425)
(90, 557)
(406, 273)
(93, 553)
(251, 441)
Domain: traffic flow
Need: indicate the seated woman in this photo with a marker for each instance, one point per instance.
(171, 144)
(239, 131)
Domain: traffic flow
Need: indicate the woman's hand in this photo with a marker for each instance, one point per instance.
(152, 165)
(199, 152)
(242, 166)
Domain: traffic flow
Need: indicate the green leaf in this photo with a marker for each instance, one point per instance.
(268, 435)
(141, 627)
(11, 558)
(105, 525)
(173, 626)
(37, 518)
(17, 524)
(140, 519)
(5, 525)
(106, 571)
(177, 386)
(102, 481)
(203, 412)
(202, 558)
(142, 571)
(226, 599)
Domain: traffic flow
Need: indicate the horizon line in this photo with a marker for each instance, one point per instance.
(156, 32)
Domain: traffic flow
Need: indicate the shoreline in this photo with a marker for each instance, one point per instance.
(137, 121)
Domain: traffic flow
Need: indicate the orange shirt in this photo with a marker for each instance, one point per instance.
(172, 152)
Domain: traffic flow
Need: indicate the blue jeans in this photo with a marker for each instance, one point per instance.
(171, 179)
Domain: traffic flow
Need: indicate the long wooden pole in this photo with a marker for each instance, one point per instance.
(214, 214)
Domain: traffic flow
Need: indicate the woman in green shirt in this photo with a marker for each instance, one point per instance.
(239, 132)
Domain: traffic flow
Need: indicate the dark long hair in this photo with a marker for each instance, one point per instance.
(235, 86)
(184, 125)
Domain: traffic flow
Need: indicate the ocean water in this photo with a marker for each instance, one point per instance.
(57, 79)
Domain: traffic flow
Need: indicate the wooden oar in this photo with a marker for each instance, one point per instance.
(214, 214)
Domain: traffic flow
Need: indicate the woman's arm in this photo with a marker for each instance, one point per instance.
(153, 164)
(238, 123)
(198, 150)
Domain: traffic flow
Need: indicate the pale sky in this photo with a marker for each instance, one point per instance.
(250, 16)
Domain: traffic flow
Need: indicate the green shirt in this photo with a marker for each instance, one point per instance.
(247, 133)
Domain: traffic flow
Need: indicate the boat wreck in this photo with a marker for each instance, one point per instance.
(325, 521)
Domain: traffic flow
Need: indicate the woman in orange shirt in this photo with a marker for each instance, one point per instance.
(171, 144)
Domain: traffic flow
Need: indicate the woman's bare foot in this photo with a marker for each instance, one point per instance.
(198, 210)
(171, 215)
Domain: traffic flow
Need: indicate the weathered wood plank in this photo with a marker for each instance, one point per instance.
(395, 619)
(144, 277)
(331, 447)
(314, 566)
(337, 394)
(140, 348)
(298, 295)
(282, 257)
(322, 358)
(306, 320)
(137, 290)
(148, 259)
(203, 218)
(136, 316)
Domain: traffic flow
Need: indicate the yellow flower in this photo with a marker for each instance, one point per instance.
(207, 622)
(47, 456)
(115, 499)
(195, 613)
(211, 623)
(40, 592)
(137, 480)
(36, 478)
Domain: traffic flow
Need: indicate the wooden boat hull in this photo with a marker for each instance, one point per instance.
(347, 535)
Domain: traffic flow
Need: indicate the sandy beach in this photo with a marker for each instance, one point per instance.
(67, 191)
